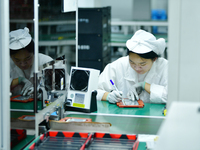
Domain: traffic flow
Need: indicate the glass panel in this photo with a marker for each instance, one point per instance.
(57, 40)
(56, 31)
(22, 62)
(21, 51)
(126, 125)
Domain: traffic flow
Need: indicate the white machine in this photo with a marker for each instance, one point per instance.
(181, 128)
(55, 77)
(54, 81)
(82, 89)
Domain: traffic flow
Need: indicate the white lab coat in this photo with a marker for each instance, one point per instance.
(16, 72)
(124, 77)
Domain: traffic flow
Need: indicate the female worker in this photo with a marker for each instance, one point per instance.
(22, 62)
(141, 70)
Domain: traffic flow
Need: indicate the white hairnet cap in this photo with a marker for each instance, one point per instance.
(143, 42)
(19, 38)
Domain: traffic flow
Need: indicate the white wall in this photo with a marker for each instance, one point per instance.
(159, 4)
(89, 3)
(184, 51)
(122, 9)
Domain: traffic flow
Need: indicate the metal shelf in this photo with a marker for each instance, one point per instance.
(57, 43)
(140, 23)
(42, 23)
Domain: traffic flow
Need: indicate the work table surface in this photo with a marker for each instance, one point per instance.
(149, 109)
(146, 120)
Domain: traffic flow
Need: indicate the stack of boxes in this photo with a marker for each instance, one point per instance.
(161, 15)
(94, 31)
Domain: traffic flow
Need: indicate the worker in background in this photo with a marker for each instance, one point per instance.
(140, 75)
(22, 62)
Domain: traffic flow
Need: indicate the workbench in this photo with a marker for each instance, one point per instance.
(146, 120)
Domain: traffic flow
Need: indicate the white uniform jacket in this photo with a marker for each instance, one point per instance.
(16, 72)
(124, 77)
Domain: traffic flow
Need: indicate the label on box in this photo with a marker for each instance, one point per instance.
(79, 105)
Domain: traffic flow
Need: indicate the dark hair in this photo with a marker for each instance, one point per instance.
(29, 48)
(150, 55)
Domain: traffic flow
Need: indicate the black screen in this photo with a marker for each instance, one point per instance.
(79, 80)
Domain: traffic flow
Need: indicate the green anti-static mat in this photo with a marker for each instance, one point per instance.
(26, 106)
(24, 142)
(125, 124)
(149, 109)
(146, 120)
(20, 107)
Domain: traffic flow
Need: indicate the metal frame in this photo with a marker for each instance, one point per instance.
(46, 112)
(76, 33)
(4, 76)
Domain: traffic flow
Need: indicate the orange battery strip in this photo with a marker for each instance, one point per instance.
(61, 140)
(113, 141)
(75, 119)
(140, 104)
(85, 141)
(27, 117)
(22, 99)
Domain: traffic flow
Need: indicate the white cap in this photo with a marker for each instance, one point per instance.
(19, 38)
(143, 42)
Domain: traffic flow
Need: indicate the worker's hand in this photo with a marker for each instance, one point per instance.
(114, 96)
(28, 86)
(135, 91)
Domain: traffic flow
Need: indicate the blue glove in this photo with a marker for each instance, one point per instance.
(136, 90)
(114, 97)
